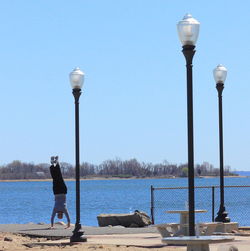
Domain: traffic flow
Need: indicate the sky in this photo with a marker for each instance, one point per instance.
(133, 102)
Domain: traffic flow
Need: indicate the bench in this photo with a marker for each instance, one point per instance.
(168, 229)
(173, 229)
(205, 228)
(209, 228)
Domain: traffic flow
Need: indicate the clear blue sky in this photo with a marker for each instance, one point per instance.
(134, 96)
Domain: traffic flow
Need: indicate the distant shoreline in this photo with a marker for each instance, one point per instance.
(116, 178)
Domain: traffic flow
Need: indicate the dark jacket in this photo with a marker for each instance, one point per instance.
(58, 182)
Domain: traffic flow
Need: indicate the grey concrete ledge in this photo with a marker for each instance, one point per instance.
(42, 230)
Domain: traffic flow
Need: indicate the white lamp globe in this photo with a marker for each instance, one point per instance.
(76, 78)
(220, 74)
(188, 30)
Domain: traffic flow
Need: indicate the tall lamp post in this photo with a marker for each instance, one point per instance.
(76, 79)
(220, 74)
(188, 30)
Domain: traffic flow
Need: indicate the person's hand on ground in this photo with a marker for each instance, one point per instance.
(68, 226)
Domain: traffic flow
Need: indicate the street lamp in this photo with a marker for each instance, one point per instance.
(220, 74)
(76, 79)
(188, 30)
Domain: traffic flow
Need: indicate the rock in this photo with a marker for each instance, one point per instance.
(8, 239)
(40, 223)
(136, 219)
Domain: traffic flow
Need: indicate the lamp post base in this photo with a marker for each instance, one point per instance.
(78, 235)
(222, 215)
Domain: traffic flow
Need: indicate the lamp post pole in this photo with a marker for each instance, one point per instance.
(220, 73)
(188, 30)
(76, 79)
(188, 51)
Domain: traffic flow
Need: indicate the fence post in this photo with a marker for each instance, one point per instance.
(212, 203)
(152, 204)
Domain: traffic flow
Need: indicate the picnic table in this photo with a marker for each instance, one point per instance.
(197, 243)
(184, 219)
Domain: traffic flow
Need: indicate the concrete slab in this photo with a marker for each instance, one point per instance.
(104, 236)
(197, 243)
(42, 230)
(228, 227)
(146, 241)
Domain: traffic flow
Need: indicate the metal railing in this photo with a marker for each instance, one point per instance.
(237, 203)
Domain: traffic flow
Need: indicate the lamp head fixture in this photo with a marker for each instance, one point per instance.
(76, 78)
(188, 30)
(220, 74)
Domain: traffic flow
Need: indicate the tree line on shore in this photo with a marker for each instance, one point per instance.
(109, 168)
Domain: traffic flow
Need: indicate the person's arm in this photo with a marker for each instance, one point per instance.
(67, 216)
(52, 218)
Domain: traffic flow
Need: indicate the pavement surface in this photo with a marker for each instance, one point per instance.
(42, 230)
(147, 237)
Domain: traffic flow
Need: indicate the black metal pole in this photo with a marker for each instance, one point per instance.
(77, 233)
(188, 51)
(212, 203)
(152, 204)
(222, 214)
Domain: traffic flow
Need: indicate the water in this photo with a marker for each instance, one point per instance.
(243, 173)
(23, 202)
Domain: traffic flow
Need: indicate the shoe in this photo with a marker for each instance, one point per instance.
(56, 159)
(52, 160)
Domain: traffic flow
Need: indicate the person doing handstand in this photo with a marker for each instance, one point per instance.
(60, 191)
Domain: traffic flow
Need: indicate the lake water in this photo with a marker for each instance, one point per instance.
(23, 202)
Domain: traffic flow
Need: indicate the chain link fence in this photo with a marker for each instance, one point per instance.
(237, 203)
